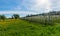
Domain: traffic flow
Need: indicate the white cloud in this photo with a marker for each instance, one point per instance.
(17, 12)
(55, 5)
(42, 5)
(35, 5)
(21, 13)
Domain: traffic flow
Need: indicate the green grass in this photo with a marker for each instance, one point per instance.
(24, 28)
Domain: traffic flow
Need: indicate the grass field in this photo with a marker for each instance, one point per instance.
(24, 28)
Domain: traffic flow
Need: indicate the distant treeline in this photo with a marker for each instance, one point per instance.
(14, 16)
(50, 13)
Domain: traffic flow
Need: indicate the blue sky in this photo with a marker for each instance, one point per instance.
(25, 7)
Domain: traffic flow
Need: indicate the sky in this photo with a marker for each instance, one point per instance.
(25, 7)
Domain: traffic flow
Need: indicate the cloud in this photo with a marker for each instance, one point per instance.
(35, 5)
(42, 5)
(16, 12)
(30, 5)
(21, 13)
(25, 7)
(55, 5)
(39, 6)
